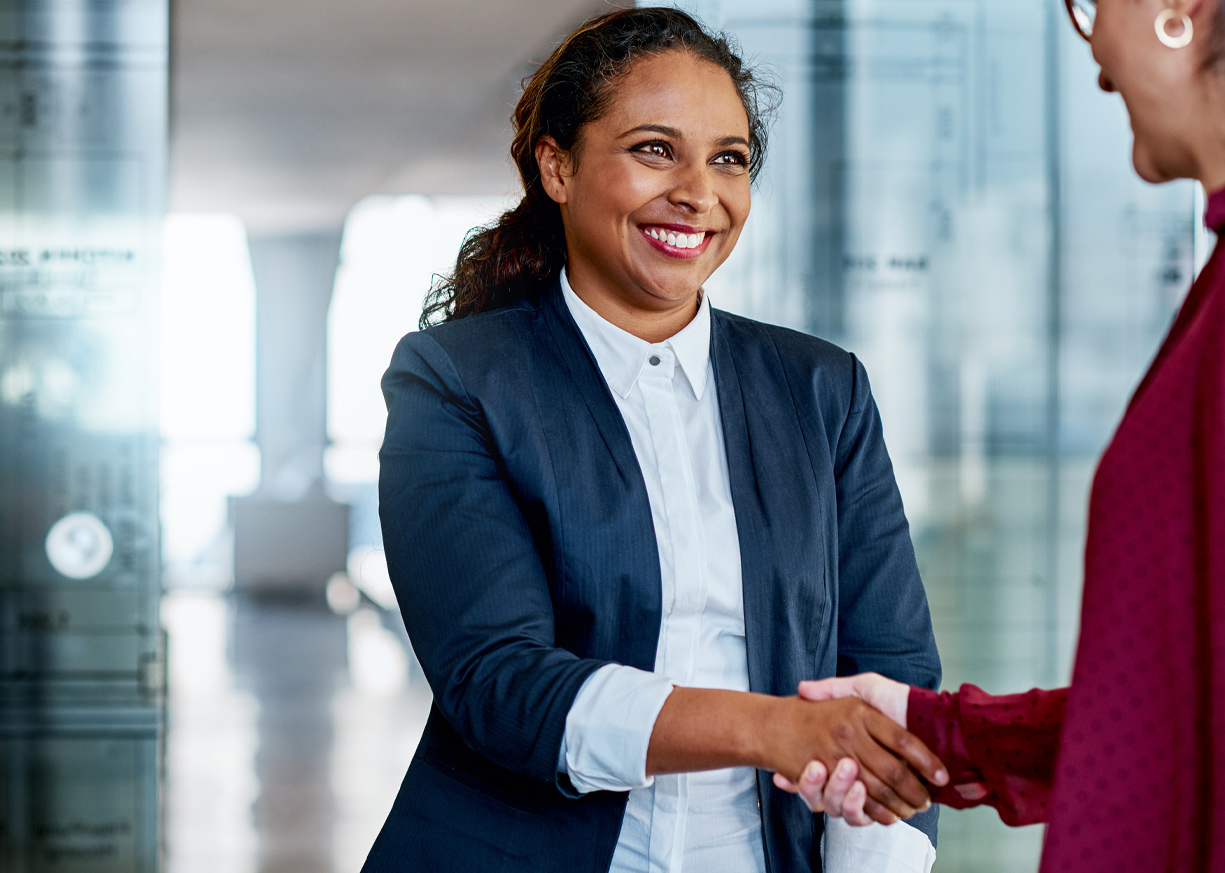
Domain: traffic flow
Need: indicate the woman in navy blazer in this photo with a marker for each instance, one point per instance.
(517, 526)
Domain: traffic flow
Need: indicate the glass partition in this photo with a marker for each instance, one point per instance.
(82, 168)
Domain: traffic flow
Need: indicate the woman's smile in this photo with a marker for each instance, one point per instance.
(677, 240)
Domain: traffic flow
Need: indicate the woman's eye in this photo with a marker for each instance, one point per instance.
(655, 149)
(738, 159)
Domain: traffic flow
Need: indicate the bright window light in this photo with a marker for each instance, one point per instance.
(392, 248)
(208, 329)
(207, 394)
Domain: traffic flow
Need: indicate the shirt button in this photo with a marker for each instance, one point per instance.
(653, 360)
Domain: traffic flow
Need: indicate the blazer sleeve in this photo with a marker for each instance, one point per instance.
(884, 624)
(469, 579)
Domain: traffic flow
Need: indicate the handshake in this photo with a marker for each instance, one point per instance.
(882, 773)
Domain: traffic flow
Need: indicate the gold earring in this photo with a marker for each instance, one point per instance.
(1175, 42)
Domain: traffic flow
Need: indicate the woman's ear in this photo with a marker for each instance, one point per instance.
(554, 164)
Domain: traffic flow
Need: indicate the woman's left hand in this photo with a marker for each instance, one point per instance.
(840, 796)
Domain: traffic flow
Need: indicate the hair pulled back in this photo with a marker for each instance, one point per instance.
(509, 259)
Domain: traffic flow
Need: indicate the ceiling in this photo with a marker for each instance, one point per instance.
(288, 112)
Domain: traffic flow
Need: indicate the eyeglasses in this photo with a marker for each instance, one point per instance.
(1082, 12)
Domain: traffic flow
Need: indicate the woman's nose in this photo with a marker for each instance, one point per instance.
(693, 189)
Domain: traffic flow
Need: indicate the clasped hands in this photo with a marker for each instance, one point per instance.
(878, 775)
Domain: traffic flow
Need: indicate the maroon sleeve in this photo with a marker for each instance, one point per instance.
(998, 750)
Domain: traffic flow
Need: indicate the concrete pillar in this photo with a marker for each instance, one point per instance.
(294, 275)
(289, 537)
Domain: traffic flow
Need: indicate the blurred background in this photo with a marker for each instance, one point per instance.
(216, 220)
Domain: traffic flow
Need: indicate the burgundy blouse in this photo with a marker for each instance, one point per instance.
(1127, 765)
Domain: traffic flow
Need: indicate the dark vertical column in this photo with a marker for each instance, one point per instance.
(82, 169)
(825, 141)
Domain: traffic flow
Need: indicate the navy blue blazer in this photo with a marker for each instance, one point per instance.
(520, 544)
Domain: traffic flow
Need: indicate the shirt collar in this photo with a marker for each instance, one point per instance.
(1214, 216)
(621, 355)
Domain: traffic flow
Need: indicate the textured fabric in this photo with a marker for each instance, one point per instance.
(519, 540)
(1140, 779)
(999, 751)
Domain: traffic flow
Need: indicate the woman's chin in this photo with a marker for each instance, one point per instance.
(1154, 170)
(1148, 168)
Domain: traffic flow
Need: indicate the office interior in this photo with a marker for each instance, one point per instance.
(217, 219)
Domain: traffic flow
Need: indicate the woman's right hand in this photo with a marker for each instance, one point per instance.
(851, 739)
(838, 792)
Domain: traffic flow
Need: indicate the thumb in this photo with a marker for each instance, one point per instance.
(828, 689)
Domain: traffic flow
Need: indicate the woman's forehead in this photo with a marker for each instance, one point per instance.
(680, 90)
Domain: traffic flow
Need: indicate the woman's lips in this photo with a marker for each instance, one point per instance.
(676, 242)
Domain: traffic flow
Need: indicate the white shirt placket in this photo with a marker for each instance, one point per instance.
(684, 582)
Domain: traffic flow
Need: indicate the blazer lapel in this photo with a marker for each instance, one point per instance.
(611, 572)
(747, 501)
(582, 369)
(780, 514)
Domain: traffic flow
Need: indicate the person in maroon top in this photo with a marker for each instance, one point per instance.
(1128, 764)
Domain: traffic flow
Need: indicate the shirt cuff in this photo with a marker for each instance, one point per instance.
(608, 729)
(898, 848)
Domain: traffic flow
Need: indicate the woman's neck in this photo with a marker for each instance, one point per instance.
(654, 324)
(1210, 155)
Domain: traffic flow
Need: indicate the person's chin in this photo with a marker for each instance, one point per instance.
(1146, 167)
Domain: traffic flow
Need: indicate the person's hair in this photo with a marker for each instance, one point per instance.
(509, 259)
(1216, 46)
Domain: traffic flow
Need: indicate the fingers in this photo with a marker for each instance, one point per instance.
(828, 689)
(838, 787)
(841, 795)
(856, 809)
(810, 786)
(910, 749)
(887, 777)
(873, 811)
(899, 801)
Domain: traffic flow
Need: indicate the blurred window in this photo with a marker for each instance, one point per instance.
(208, 392)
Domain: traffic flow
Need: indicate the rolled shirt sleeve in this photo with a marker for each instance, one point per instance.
(608, 729)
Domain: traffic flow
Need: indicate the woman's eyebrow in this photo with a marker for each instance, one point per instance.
(676, 134)
(655, 128)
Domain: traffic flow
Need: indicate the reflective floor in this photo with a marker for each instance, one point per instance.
(290, 728)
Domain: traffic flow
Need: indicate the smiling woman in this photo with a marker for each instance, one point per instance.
(644, 188)
(622, 525)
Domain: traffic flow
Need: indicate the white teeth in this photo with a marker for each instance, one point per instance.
(679, 240)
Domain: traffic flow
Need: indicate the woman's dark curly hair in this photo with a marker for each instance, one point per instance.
(508, 260)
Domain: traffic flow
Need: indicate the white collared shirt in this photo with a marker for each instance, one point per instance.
(708, 821)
